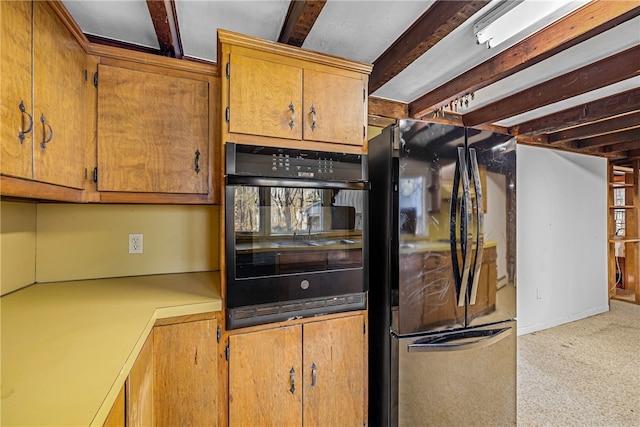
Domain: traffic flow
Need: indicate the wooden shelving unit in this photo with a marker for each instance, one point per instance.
(624, 236)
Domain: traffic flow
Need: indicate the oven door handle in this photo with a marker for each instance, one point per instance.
(293, 182)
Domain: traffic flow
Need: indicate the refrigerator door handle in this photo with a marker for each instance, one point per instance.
(463, 340)
(461, 278)
(479, 249)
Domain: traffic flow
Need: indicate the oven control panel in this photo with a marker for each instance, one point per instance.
(274, 162)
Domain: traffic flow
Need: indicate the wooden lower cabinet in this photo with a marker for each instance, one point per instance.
(139, 386)
(307, 374)
(116, 417)
(186, 374)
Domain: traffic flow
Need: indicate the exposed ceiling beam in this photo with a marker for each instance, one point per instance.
(599, 109)
(165, 21)
(592, 19)
(386, 108)
(610, 139)
(621, 66)
(601, 127)
(436, 23)
(633, 154)
(624, 146)
(120, 44)
(300, 19)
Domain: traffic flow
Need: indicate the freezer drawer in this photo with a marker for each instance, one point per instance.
(463, 378)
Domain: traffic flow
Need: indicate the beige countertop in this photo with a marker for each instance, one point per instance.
(68, 347)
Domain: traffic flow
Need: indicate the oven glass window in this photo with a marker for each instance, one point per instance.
(283, 230)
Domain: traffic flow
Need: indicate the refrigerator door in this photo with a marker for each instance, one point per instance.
(492, 284)
(462, 378)
(431, 294)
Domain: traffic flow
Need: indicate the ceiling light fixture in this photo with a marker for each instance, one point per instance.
(509, 17)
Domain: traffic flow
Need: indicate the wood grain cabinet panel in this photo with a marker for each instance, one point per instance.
(116, 416)
(59, 66)
(333, 360)
(265, 98)
(41, 60)
(186, 377)
(139, 386)
(265, 372)
(279, 95)
(15, 89)
(153, 131)
(334, 108)
(311, 374)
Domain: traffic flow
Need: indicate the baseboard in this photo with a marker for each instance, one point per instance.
(523, 330)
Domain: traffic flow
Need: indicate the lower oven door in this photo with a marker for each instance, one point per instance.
(293, 250)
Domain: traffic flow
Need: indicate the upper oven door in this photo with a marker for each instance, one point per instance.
(292, 231)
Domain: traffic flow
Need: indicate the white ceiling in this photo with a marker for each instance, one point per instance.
(362, 30)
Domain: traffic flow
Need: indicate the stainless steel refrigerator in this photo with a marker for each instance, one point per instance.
(442, 302)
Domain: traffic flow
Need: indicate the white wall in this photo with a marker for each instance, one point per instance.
(562, 237)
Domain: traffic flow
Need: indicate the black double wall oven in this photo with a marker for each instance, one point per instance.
(295, 233)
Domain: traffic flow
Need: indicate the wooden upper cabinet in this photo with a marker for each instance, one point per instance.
(265, 98)
(280, 95)
(59, 64)
(334, 108)
(15, 89)
(46, 65)
(153, 130)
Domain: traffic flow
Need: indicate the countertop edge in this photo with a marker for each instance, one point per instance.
(159, 313)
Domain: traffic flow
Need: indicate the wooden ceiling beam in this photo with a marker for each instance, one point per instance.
(614, 105)
(633, 154)
(602, 127)
(437, 22)
(625, 146)
(165, 21)
(613, 69)
(300, 19)
(386, 108)
(590, 20)
(609, 139)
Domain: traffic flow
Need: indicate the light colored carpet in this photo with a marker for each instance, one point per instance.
(585, 373)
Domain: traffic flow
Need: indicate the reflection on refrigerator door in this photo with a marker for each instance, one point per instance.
(464, 378)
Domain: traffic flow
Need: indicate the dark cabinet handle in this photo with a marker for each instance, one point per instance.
(21, 134)
(314, 374)
(45, 140)
(292, 108)
(313, 118)
(292, 375)
(197, 162)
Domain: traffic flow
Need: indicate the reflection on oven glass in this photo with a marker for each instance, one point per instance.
(282, 230)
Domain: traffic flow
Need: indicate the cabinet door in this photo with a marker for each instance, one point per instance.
(186, 384)
(339, 105)
(59, 97)
(265, 98)
(334, 372)
(153, 132)
(265, 378)
(15, 88)
(116, 417)
(140, 389)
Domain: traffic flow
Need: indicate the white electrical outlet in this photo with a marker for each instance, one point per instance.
(538, 293)
(135, 243)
